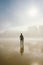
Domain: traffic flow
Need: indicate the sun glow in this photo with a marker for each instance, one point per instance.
(33, 11)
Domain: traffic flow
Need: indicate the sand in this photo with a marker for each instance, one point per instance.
(10, 53)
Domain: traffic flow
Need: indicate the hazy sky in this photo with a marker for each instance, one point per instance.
(20, 13)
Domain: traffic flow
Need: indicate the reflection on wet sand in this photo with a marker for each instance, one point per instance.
(11, 51)
(35, 63)
(21, 50)
(21, 47)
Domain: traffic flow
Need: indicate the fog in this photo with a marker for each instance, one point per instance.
(29, 31)
(10, 52)
(16, 17)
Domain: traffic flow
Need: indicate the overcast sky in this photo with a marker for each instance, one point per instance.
(18, 13)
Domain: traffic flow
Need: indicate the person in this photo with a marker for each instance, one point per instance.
(21, 44)
(21, 41)
(21, 37)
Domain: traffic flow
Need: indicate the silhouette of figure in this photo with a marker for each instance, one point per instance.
(21, 37)
(21, 44)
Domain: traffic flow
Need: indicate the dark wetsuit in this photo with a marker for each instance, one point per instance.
(21, 37)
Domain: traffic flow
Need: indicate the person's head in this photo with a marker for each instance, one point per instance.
(21, 33)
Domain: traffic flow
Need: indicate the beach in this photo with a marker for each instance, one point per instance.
(32, 53)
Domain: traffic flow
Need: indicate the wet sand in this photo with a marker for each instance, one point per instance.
(10, 53)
